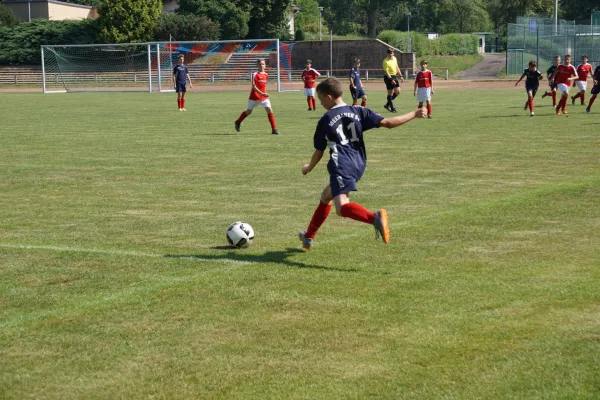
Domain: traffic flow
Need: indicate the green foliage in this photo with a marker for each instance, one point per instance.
(8, 17)
(93, 3)
(232, 19)
(129, 21)
(299, 35)
(21, 44)
(450, 44)
(186, 27)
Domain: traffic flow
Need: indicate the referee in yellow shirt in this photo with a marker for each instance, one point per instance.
(392, 71)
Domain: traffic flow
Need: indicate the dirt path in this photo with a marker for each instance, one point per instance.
(487, 69)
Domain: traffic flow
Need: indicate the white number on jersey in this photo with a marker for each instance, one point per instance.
(343, 138)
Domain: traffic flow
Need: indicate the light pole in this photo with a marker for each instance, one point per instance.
(408, 14)
(320, 23)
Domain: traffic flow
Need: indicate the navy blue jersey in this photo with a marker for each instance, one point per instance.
(550, 71)
(355, 76)
(597, 73)
(533, 78)
(341, 130)
(180, 72)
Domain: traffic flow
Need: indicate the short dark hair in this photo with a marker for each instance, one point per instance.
(532, 63)
(390, 50)
(181, 56)
(567, 55)
(423, 62)
(330, 86)
(309, 61)
(584, 56)
(356, 60)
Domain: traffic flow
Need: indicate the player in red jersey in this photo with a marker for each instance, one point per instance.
(259, 96)
(424, 87)
(309, 76)
(583, 70)
(595, 89)
(563, 76)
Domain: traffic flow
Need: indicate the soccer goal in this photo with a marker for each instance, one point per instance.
(149, 66)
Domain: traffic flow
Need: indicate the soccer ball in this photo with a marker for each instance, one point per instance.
(240, 234)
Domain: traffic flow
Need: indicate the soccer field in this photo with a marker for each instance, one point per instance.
(116, 281)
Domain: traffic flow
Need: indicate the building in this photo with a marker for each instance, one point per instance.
(481, 43)
(53, 10)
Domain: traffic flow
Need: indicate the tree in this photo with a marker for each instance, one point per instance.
(8, 17)
(268, 18)
(186, 27)
(129, 21)
(231, 17)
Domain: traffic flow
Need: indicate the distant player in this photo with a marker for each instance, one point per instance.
(583, 70)
(564, 74)
(340, 130)
(180, 77)
(259, 96)
(551, 83)
(424, 87)
(392, 72)
(309, 76)
(595, 89)
(356, 88)
(532, 83)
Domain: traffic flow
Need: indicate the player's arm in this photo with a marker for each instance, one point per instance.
(314, 160)
(402, 119)
(432, 92)
(520, 79)
(187, 74)
(399, 72)
(351, 81)
(174, 79)
(415, 86)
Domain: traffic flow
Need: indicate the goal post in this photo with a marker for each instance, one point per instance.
(149, 66)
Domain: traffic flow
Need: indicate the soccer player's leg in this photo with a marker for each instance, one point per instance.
(270, 115)
(319, 216)
(363, 103)
(238, 122)
(595, 91)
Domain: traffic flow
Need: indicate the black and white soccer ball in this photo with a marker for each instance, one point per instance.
(240, 234)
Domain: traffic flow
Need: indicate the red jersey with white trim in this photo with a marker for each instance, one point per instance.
(309, 76)
(583, 70)
(423, 78)
(259, 79)
(564, 72)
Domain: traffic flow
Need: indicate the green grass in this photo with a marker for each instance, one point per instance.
(115, 282)
(455, 64)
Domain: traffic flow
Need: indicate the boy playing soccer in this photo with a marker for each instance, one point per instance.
(259, 96)
(564, 74)
(583, 70)
(532, 83)
(356, 88)
(551, 83)
(424, 87)
(309, 75)
(180, 78)
(595, 89)
(341, 130)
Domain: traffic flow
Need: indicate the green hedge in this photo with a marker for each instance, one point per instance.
(453, 44)
(21, 44)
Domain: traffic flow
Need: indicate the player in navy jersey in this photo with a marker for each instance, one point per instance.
(340, 130)
(551, 83)
(595, 89)
(180, 78)
(532, 83)
(356, 88)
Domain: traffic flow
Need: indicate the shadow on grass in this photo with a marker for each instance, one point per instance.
(518, 115)
(276, 257)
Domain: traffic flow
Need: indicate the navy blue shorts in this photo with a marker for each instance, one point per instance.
(180, 88)
(552, 85)
(357, 93)
(342, 184)
(596, 89)
(533, 90)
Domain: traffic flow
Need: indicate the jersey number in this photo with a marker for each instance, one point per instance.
(343, 138)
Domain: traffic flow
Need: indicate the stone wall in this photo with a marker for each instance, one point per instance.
(370, 51)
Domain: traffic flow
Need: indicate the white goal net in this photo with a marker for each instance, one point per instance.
(149, 66)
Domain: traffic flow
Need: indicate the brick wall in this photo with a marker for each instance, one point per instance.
(370, 51)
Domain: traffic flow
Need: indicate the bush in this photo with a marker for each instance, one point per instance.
(21, 44)
(451, 44)
(299, 35)
(8, 17)
(186, 27)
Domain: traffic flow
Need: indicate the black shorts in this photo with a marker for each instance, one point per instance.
(532, 89)
(180, 88)
(552, 85)
(391, 83)
(596, 89)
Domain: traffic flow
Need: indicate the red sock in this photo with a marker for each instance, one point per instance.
(420, 105)
(314, 103)
(591, 101)
(530, 101)
(554, 97)
(319, 216)
(272, 121)
(578, 95)
(428, 108)
(183, 102)
(563, 103)
(309, 101)
(178, 102)
(582, 98)
(242, 117)
(357, 212)
(363, 103)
